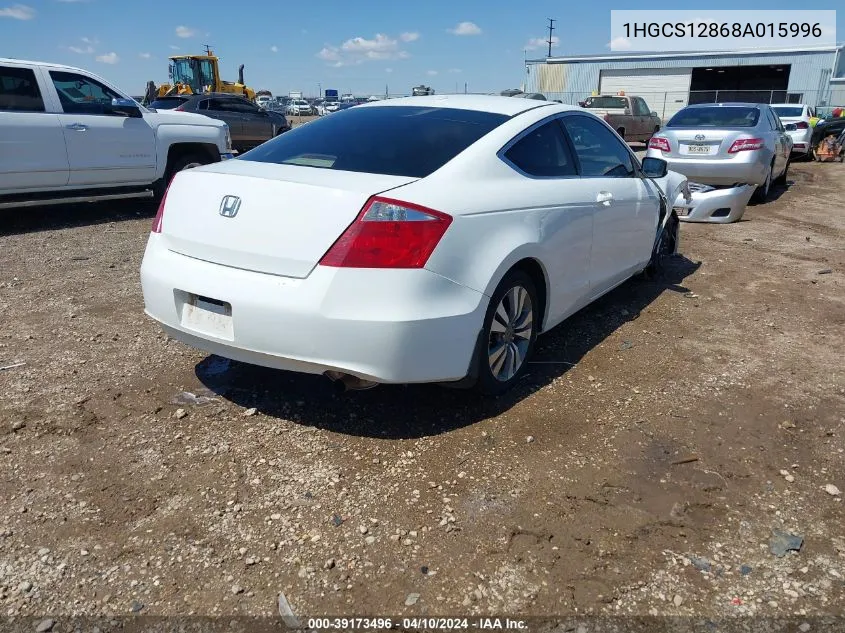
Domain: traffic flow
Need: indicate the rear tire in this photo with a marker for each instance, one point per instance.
(761, 193)
(508, 335)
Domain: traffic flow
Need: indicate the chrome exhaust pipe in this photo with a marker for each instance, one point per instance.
(346, 382)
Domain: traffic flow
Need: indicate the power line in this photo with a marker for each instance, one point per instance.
(551, 30)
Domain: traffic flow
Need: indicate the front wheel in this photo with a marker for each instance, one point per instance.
(665, 246)
(509, 334)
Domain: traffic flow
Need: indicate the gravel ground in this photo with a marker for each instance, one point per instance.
(663, 438)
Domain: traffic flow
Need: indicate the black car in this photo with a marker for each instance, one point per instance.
(248, 124)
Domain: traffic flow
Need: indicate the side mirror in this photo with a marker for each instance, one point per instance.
(654, 114)
(790, 127)
(126, 107)
(655, 167)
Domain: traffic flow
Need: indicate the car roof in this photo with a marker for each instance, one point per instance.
(789, 105)
(482, 103)
(8, 60)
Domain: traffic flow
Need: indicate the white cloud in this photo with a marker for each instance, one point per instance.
(539, 42)
(388, 70)
(174, 48)
(89, 40)
(185, 32)
(358, 50)
(87, 50)
(409, 37)
(18, 12)
(108, 58)
(454, 70)
(431, 73)
(73, 1)
(466, 28)
(274, 49)
(144, 55)
(619, 44)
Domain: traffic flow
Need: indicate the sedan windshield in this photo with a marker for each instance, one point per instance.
(717, 116)
(408, 141)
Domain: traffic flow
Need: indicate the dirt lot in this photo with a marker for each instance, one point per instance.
(641, 468)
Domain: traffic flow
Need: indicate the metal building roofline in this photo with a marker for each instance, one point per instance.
(831, 48)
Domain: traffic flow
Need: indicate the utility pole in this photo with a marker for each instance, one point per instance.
(319, 90)
(465, 87)
(551, 30)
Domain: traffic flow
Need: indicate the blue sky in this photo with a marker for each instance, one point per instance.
(359, 46)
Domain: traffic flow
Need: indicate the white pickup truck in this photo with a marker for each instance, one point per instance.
(67, 135)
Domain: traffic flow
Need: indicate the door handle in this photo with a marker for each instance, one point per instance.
(604, 198)
(79, 127)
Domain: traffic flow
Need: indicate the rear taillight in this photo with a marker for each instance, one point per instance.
(388, 234)
(658, 142)
(802, 125)
(745, 144)
(160, 213)
(181, 108)
(606, 117)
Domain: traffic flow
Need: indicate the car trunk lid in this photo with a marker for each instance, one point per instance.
(709, 143)
(276, 219)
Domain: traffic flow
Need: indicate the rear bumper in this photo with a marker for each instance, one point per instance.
(719, 206)
(722, 172)
(389, 326)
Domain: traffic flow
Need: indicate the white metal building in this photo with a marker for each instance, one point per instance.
(670, 81)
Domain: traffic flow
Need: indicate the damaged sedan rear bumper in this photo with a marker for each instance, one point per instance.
(720, 205)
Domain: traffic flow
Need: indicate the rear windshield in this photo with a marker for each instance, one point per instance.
(716, 117)
(408, 141)
(788, 112)
(606, 102)
(166, 104)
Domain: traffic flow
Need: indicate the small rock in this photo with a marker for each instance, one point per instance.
(783, 542)
(136, 606)
(678, 600)
(832, 490)
(251, 411)
(17, 425)
(789, 478)
(44, 626)
(745, 570)
(236, 589)
(529, 439)
(412, 599)
(363, 529)
(788, 424)
(805, 626)
(370, 540)
(180, 413)
(43, 551)
(337, 520)
(275, 516)
(24, 586)
(424, 569)
(825, 271)
(250, 561)
(591, 378)
(329, 564)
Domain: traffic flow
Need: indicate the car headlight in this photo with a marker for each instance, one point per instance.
(228, 137)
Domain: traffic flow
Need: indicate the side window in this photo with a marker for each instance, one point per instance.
(19, 90)
(644, 111)
(543, 152)
(773, 120)
(239, 105)
(82, 95)
(599, 151)
(205, 104)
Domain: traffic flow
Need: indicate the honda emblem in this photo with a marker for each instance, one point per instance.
(229, 206)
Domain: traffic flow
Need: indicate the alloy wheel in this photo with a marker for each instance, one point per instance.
(510, 333)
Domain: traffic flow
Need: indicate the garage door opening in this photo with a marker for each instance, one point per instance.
(756, 84)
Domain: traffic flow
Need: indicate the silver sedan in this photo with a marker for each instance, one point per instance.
(726, 145)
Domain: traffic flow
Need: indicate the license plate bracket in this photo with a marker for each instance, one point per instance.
(206, 315)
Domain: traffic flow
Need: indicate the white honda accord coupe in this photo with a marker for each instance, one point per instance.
(427, 239)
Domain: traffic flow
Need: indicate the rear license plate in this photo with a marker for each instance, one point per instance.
(698, 149)
(681, 212)
(208, 316)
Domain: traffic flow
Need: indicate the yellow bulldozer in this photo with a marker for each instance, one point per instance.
(197, 74)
